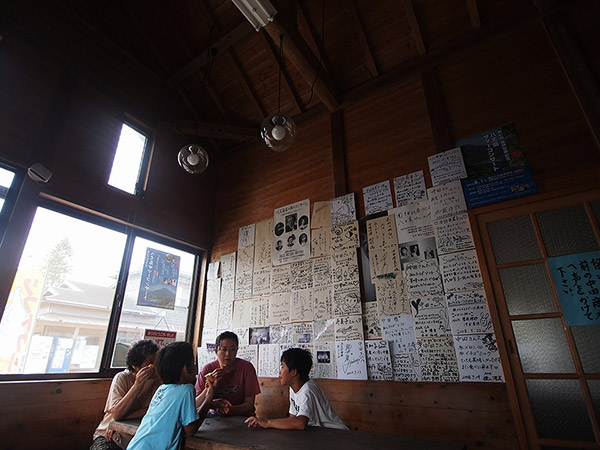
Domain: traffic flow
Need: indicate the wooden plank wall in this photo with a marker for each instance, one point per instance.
(43, 415)
(389, 135)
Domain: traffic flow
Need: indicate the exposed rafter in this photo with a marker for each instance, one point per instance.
(217, 130)
(286, 81)
(300, 55)
(415, 28)
(364, 43)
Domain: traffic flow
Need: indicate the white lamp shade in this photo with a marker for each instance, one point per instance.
(278, 132)
(193, 158)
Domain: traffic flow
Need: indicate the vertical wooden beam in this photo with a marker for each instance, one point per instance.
(577, 70)
(338, 150)
(437, 112)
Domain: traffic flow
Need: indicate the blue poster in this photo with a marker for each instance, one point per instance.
(158, 283)
(496, 166)
(577, 282)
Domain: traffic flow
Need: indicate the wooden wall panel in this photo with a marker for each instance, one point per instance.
(523, 84)
(386, 137)
(412, 409)
(255, 181)
(58, 414)
(50, 117)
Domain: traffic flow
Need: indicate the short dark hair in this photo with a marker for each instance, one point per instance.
(226, 335)
(171, 359)
(138, 353)
(299, 359)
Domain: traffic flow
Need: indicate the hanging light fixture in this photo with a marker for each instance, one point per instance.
(193, 158)
(278, 130)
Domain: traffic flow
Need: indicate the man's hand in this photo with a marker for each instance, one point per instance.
(221, 406)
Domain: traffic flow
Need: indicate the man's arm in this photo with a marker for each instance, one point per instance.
(127, 406)
(287, 423)
(244, 409)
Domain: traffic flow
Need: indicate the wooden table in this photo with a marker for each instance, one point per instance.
(231, 433)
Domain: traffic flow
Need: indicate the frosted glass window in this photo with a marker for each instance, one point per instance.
(559, 410)
(543, 346)
(527, 290)
(594, 386)
(596, 211)
(128, 161)
(566, 231)
(587, 340)
(513, 240)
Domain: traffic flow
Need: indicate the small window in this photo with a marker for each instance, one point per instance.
(130, 160)
(9, 182)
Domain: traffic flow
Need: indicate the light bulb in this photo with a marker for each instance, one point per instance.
(193, 159)
(278, 132)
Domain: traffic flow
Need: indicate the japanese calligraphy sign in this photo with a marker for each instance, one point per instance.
(577, 282)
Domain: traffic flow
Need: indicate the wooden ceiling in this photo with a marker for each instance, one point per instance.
(217, 77)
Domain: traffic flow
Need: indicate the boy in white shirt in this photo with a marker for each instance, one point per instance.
(308, 404)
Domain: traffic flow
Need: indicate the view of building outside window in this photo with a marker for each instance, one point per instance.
(57, 313)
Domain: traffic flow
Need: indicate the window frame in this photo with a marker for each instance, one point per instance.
(132, 232)
(141, 183)
(11, 197)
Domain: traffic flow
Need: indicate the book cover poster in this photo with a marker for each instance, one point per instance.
(291, 233)
(496, 165)
(160, 275)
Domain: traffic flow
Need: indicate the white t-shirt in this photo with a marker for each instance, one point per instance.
(310, 402)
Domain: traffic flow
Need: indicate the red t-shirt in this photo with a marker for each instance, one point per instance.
(236, 385)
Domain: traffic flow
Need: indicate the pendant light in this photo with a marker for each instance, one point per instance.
(193, 158)
(278, 130)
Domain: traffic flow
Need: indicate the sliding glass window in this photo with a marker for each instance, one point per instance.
(86, 289)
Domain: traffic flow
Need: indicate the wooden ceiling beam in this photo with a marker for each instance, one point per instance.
(225, 41)
(474, 13)
(217, 130)
(364, 43)
(247, 85)
(415, 27)
(286, 81)
(301, 56)
(311, 38)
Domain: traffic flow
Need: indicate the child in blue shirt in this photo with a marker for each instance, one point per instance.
(172, 410)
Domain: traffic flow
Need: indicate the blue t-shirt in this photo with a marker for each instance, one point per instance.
(171, 408)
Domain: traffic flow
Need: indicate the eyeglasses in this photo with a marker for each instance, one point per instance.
(227, 349)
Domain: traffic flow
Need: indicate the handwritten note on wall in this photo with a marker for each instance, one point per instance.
(261, 282)
(322, 271)
(269, 360)
(431, 323)
(470, 319)
(263, 245)
(323, 301)
(453, 234)
(351, 360)
(249, 353)
(246, 236)
(447, 200)
(446, 166)
(281, 334)
(378, 197)
(241, 313)
(410, 188)
(392, 295)
(407, 367)
(344, 236)
(343, 209)
(301, 274)
(466, 298)
(381, 233)
(228, 266)
(281, 279)
(379, 361)
(413, 222)
(399, 331)
(423, 279)
(302, 305)
(371, 325)
(460, 271)
(478, 358)
(383, 261)
(259, 312)
(438, 360)
(280, 309)
(349, 328)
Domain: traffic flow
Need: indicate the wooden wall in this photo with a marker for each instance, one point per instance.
(45, 415)
(514, 78)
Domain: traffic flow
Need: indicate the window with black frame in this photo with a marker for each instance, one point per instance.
(60, 317)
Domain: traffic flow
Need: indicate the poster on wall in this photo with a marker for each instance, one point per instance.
(160, 274)
(577, 281)
(496, 167)
(291, 233)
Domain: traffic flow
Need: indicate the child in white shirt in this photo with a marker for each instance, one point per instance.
(308, 404)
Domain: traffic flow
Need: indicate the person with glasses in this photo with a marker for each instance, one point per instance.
(236, 383)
